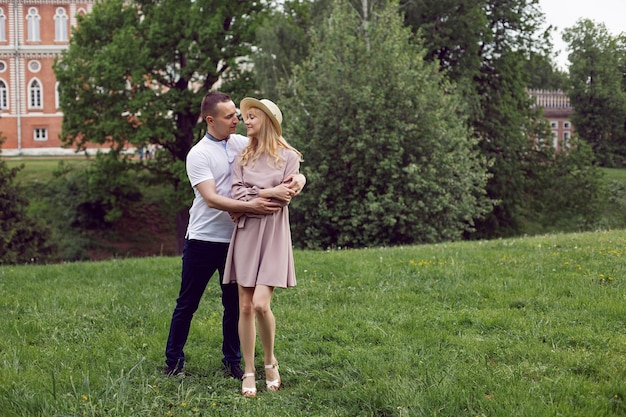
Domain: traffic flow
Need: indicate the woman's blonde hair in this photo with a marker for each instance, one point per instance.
(267, 141)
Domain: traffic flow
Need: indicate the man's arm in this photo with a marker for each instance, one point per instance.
(284, 192)
(214, 200)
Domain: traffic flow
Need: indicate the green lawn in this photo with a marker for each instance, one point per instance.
(40, 169)
(615, 174)
(516, 327)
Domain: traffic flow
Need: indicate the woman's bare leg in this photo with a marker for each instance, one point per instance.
(247, 331)
(267, 327)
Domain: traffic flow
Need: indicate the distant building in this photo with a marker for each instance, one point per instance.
(557, 110)
(32, 34)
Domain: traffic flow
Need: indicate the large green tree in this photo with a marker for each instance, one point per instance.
(136, 71)
(387, 154)
(486, 46)
(597, 89)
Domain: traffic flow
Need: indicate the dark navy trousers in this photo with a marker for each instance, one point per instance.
(200, 261)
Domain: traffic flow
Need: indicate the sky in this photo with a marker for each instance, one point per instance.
(563, 14)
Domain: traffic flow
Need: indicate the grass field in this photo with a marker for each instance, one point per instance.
(615, 174)
(518, 327)
(40, 169)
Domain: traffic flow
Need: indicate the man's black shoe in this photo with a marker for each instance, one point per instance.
(169, 371)
(234, 370)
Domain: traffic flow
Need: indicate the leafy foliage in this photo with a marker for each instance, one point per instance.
(136, 71)
(543, 73)
(597, 89)
(387, 155)
(97, 195)
(23, 239)
(283, 42)
(569, 193)
(487, 48)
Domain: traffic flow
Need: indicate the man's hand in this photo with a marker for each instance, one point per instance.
(296, 182)
(263, 206)
(234, 216)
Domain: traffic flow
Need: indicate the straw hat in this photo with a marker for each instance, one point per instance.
(268, 107)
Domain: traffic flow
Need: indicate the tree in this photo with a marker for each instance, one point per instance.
(284, 37)
(597, 89)
(136, 72)
(485, 47)
(282, 42)
(387, 155)
(543, 73)
(23, 239)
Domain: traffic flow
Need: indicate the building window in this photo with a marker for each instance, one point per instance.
(60, 25)
(3, 66)
(33, 19)
(554, 125)
(566, 125)
(3, 26)
(34, 66)
(40, 134)
(34, 94)
(4, 95)
(566, 136)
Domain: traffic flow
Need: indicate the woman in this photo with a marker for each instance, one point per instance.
(260, 255)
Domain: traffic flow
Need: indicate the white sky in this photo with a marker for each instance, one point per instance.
(563, 14)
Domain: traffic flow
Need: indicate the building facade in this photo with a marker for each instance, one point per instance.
(557, 110)
(32, 34)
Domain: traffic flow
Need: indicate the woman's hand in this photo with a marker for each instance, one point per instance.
(283, 193)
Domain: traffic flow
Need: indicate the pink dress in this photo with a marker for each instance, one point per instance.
(260, 251)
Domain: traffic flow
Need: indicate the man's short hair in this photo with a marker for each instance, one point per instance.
(210, 102)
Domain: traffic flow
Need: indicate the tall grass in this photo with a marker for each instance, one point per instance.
(517, 327)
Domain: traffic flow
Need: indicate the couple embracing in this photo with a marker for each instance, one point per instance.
(238, 226)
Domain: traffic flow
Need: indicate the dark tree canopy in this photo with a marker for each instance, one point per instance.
(136, 71)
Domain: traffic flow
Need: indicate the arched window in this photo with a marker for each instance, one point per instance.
(3, 26)
(35, 95)
(60, 25)
(32, 20)
(4, 95)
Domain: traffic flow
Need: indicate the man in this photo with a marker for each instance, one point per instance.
(209, 168)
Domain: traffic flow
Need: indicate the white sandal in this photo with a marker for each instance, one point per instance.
(248, 391)
(275, 384)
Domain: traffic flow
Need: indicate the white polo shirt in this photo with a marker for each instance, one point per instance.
(211, 160)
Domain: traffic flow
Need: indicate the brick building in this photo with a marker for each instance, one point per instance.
(32, 34)
(557, 110)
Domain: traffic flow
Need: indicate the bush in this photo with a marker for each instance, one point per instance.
(96, 196)
(23, 239)
(387, 154)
